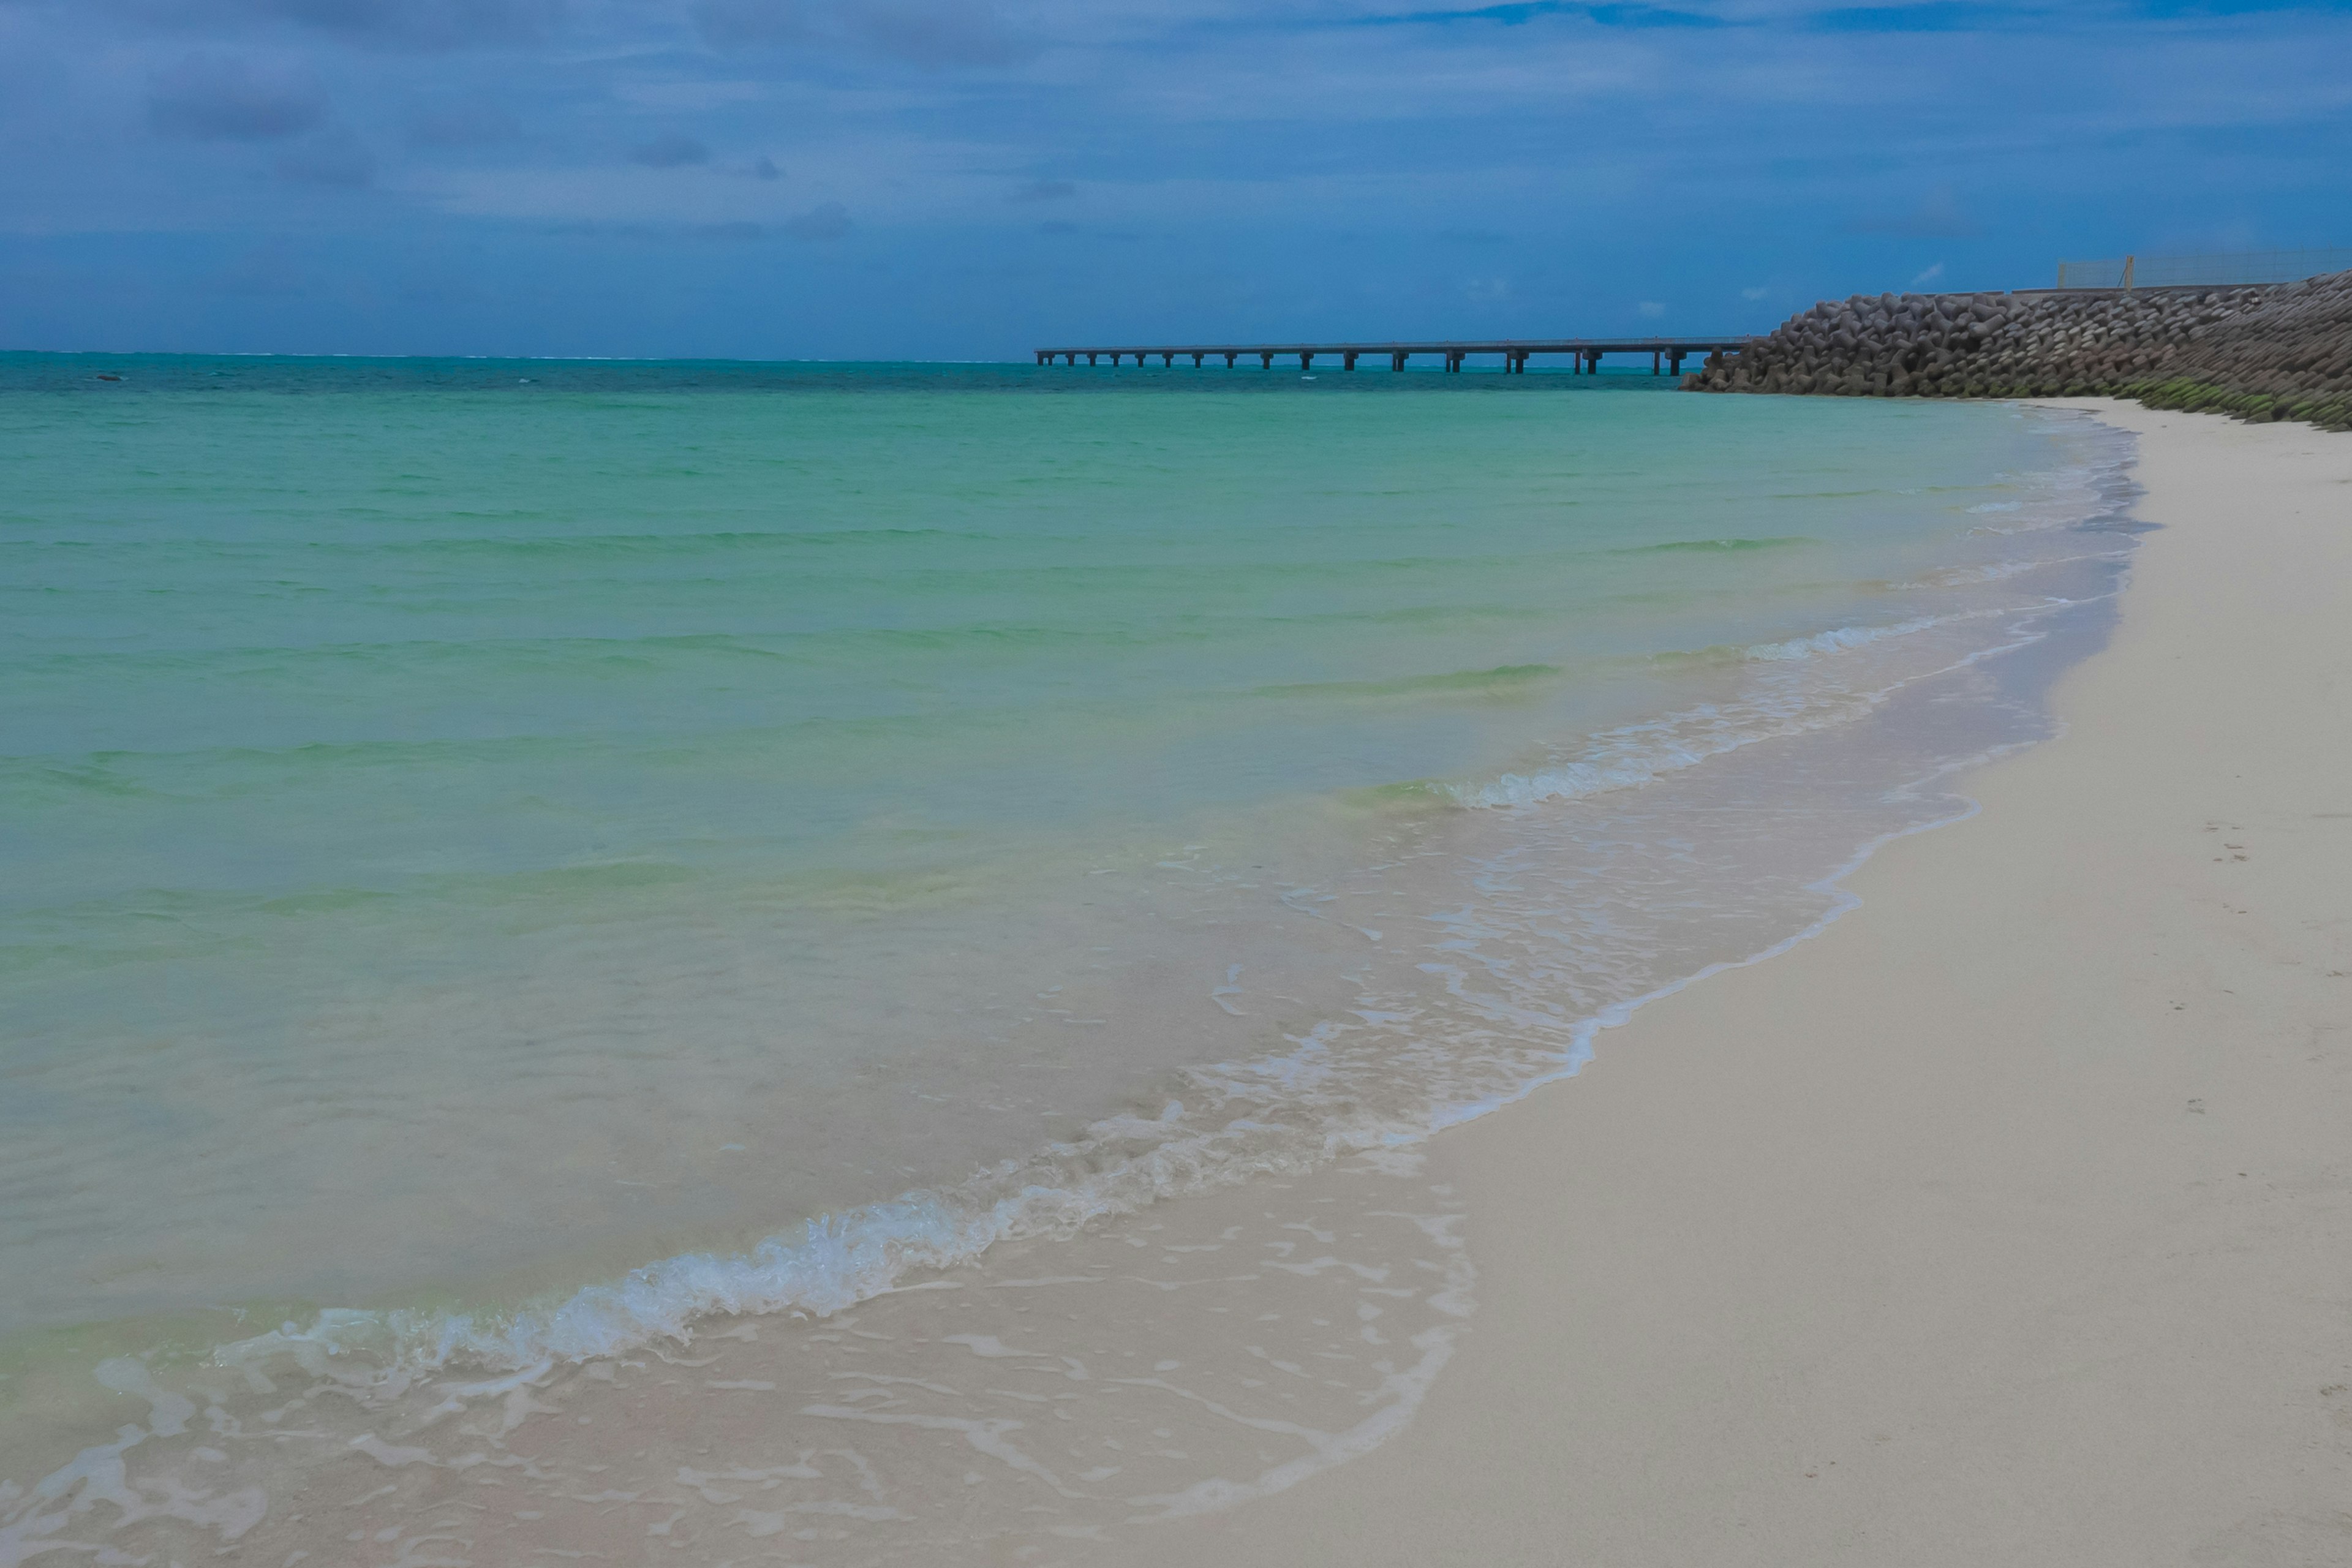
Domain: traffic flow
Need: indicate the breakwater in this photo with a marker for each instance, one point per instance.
(2286, 356)
(2281, 351)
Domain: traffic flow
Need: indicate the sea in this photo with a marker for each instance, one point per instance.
(841, 964)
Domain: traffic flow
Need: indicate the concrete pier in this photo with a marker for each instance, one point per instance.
(1667, 354)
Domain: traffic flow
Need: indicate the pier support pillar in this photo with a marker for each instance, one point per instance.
(1265, 360)
(1592, 361)
(1396, 360)
(1452, 361)
(1230, 357)
(1655, 359)
(1348, 360)
(1168, 360)
(1306, 361)
(1090, 359)
(1196, 361)
(1674, 362)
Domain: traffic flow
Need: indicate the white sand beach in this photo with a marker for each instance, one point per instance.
(2010, 1219)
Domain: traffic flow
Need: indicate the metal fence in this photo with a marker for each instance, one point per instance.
(2190, 271)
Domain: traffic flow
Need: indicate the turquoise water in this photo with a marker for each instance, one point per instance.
(473, 828)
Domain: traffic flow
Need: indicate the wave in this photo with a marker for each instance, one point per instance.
(1119, 1165)
(1635, 754)
(1837, 639)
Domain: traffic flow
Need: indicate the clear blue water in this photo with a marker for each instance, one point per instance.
(474, 828)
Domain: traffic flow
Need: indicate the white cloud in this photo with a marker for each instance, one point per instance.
(1927, 277)
(1651, 308)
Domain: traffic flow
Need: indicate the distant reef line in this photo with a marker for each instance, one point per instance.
(2275, 351)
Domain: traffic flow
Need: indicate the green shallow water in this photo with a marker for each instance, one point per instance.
(468, 821)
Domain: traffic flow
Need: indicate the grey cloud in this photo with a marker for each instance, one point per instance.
(210, 98)
(337, 159)
(1044, 191)
(830, 221)
(933, 33)
(463, 125)
(672, 151)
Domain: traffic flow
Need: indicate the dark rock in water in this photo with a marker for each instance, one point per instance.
(103, 375)
(2276, 353)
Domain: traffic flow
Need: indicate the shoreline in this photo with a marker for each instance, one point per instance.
(1928, 1241)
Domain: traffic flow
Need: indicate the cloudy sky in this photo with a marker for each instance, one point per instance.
(967, 178)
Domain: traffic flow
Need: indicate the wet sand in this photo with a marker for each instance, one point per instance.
(2008, 1220)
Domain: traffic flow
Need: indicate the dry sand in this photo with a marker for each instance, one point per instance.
(2009, 1221)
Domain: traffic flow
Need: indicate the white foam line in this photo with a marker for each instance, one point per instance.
(1578, 779)
(1843, 902)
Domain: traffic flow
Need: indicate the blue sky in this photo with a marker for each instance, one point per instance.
(967, 178)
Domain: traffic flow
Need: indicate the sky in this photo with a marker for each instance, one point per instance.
(969, 179)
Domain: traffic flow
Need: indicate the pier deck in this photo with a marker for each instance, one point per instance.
(1665, 353)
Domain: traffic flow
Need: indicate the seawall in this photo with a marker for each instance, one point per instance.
(2281, 351)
